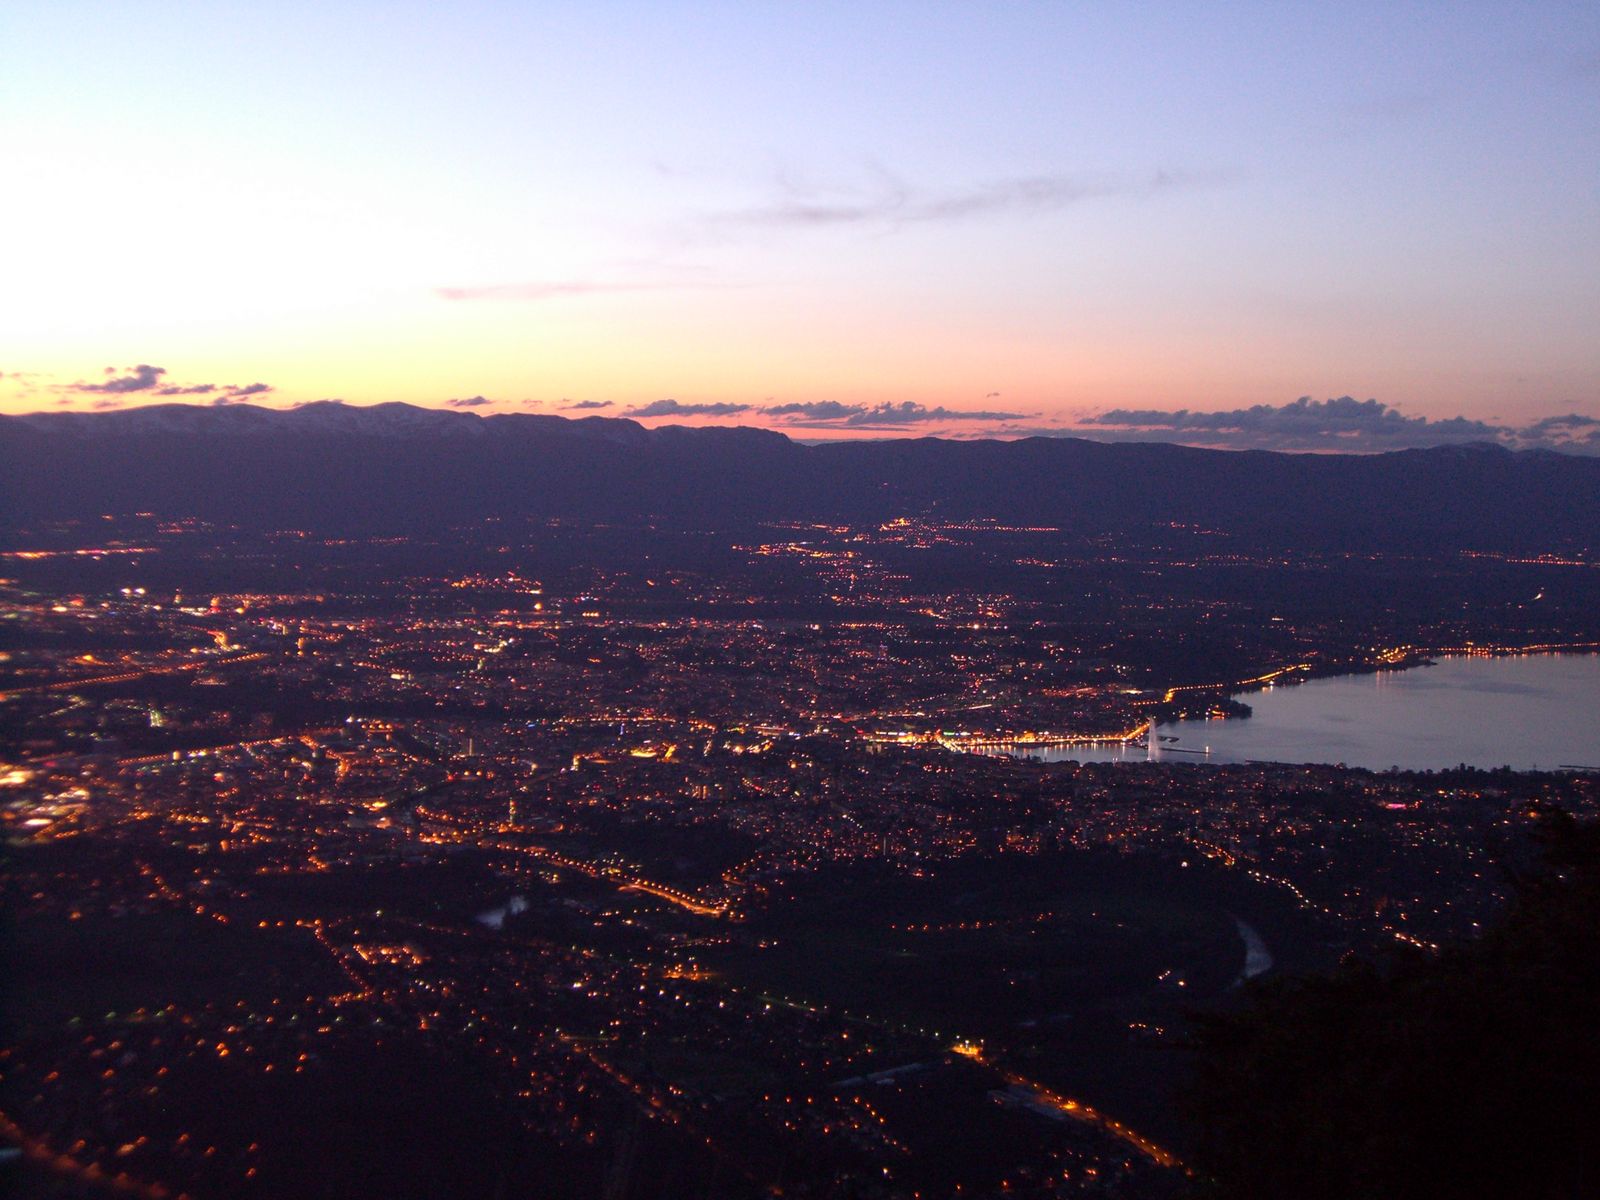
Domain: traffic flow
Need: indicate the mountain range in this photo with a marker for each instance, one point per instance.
(394, 467)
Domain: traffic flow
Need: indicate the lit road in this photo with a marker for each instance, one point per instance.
(622, 880)
(1076, 1110)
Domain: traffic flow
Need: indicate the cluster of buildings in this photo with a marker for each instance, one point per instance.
(572, 827)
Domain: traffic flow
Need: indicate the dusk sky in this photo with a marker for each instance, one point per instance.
(1164, 220)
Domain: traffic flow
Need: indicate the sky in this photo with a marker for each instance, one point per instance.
(1293, 225)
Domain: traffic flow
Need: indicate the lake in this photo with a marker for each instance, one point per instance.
(1529, 712)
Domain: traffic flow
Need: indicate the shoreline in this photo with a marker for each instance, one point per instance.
(1420, 656)
(1478, 726)
(1222, 702)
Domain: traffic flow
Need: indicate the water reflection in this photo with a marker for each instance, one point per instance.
(1530, 712)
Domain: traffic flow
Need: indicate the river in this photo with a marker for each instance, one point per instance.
(1528, 712)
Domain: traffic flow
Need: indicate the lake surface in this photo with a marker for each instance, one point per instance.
(1529, 712)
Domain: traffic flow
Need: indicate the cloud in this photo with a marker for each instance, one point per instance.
(469, 402)
(819, 414)
(587, 405)
(146, 378)
(672, 408)
(21, 383)
(1562, 428)
(1572, 432)
(232, 393)
(138, 379)
(1341, 424)
(816, 410)
(895, 203)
